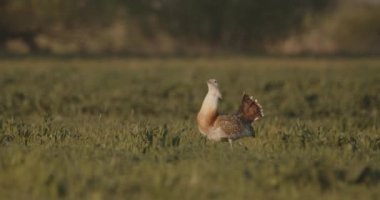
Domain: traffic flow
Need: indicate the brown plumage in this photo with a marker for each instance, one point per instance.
(218, 127)
(250, 109)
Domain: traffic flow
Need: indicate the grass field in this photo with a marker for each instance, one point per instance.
(125, 129)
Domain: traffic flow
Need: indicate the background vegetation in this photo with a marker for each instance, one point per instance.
(125, 129)
(172, 27)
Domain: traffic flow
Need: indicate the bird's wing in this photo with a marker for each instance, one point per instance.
(230, 124)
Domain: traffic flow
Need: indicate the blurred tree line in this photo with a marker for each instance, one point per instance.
(172, 26)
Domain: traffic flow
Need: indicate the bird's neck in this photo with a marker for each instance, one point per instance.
(208, 112)
(210, 104)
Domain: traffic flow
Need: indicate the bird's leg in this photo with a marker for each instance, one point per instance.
(230, 141)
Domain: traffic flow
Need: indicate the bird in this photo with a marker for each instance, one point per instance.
(229, 127)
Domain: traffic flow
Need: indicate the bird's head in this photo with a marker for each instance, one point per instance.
(213, 88)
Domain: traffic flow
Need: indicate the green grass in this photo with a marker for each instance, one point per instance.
(125, 129)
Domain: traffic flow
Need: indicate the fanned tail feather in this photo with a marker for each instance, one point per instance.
(250, 109)
(258, 107)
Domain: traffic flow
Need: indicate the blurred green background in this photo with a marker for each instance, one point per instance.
(195, 27)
